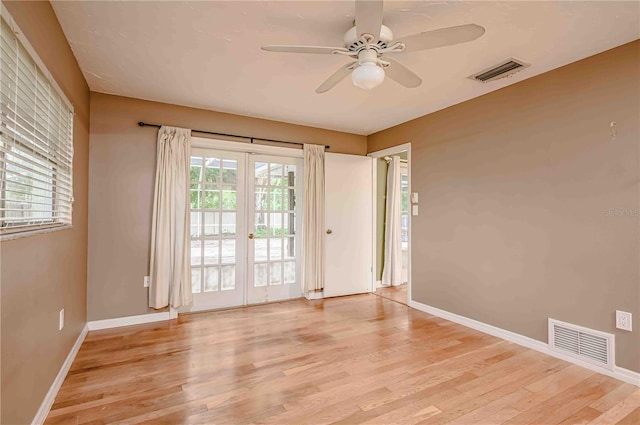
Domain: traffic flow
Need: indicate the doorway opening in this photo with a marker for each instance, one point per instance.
(392, 206)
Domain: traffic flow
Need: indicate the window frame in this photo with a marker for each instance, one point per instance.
(57, 223)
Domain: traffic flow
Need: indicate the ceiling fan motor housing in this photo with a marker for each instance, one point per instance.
(367, 56)
(353, 43)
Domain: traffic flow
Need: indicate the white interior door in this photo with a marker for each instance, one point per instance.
(348, 216)
(274, 226)
(218, 253)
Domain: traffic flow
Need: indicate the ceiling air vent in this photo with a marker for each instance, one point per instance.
(591, 346)
(501, 70)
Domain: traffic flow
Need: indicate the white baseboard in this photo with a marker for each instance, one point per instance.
(620, 373)
(314, 295)
(378, 284)
(45, 407)
(627, 376)
(131, 320)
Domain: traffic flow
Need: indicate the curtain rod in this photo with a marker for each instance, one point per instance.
(251, 138)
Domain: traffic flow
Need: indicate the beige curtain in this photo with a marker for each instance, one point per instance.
(313, 219)
(170, 275)
(392, 269)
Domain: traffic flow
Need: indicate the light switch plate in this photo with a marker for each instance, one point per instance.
(61, 320)
(414, 210)
(414, 197)
(145, 282)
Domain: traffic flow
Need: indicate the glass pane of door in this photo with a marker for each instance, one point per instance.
(217, 229)
(274, 226)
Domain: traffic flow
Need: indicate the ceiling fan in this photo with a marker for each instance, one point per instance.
(368, 41)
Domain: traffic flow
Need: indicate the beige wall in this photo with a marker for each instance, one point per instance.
(44, 273)
(122, 167)
(514, 192)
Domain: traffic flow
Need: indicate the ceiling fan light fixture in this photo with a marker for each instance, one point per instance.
(367, 76)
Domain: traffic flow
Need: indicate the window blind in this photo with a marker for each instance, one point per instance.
(36, 142)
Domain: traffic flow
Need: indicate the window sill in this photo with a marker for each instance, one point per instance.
(33, 232)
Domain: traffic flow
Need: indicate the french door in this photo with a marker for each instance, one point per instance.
(217, 229)
(274, 225)
(245, 228)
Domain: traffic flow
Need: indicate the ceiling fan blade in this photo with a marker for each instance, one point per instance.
(337, 76)
(442, 37)
(303, 49)
(401, 74)
(369, 17)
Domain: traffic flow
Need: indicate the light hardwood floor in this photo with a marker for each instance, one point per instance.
(394, 293)
(349, 360)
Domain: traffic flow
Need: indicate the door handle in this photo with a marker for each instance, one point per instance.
(250, 235)
(329, 231)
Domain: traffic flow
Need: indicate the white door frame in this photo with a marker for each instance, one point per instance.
(394, 150)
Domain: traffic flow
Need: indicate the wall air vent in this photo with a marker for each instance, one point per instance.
(591, 346)
(501, 70)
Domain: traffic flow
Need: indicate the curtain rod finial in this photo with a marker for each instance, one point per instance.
(141, 124)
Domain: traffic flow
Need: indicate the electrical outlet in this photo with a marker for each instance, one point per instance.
(623, 320)
(146, 281)
(61, 320)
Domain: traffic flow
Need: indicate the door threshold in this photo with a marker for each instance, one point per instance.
(237, 307)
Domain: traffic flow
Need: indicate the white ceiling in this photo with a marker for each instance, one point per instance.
(207, 54)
